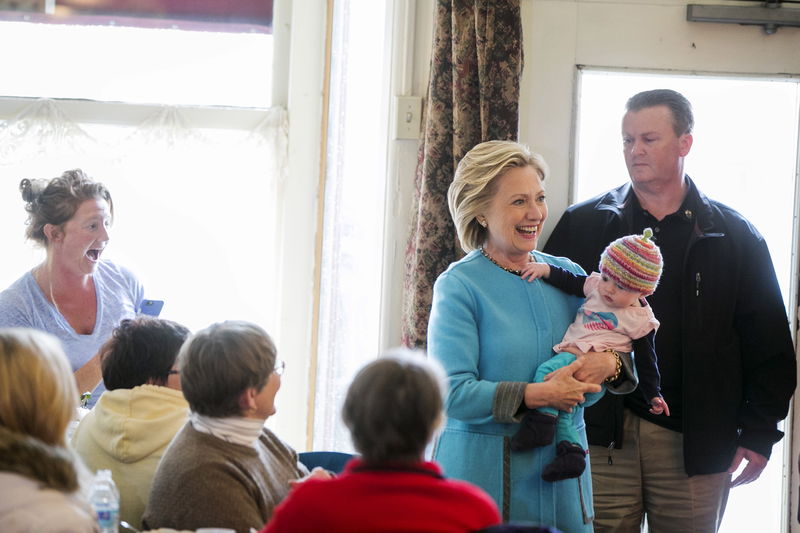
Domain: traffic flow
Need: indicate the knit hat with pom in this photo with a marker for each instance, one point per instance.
(633, 262)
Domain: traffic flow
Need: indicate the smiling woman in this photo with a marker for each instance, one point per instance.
(490, 329)
(514, 217)
(72, 294)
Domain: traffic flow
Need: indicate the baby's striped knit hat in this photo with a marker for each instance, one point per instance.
(633, 262)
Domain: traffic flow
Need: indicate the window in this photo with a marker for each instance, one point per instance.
(195, 187)
(136, 65)
(352, 254)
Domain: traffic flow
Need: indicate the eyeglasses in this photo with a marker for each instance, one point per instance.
(280, 366)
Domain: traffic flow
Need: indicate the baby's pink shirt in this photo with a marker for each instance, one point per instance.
(598, 327)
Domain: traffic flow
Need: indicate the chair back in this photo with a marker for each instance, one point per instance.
(519, 527)
(333, 461)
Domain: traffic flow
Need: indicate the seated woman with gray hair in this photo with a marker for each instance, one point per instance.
(224, 468)
(392, 409)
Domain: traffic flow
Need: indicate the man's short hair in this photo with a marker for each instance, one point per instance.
(679, 106)
(141, 350)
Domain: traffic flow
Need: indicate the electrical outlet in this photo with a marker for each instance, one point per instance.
(408, 116)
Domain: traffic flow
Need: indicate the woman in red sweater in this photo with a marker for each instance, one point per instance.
(392, 410)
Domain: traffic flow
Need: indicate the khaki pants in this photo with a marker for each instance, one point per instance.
(647, 479)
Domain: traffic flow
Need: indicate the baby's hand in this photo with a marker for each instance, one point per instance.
(659, 405)
(533, 271)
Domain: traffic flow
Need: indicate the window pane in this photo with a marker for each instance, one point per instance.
(195, 188)
(136, 65)
(195, 211)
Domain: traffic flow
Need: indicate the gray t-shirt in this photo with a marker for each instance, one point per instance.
(119, 296)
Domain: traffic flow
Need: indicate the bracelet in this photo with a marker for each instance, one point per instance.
(618, 370)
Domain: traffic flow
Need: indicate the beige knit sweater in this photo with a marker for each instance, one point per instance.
(128, 432)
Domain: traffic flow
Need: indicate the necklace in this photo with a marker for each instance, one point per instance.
(52, 297)
(40, 273)
(510, 270)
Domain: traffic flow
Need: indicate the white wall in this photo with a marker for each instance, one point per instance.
(411, 65)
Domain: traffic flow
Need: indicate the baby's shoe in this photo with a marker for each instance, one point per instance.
(570, 462)
(536, 429)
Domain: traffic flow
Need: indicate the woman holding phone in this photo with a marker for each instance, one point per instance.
(73, 294)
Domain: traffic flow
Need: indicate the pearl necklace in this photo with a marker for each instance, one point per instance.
(509, 270)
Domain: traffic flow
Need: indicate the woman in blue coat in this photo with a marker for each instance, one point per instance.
(491, 329)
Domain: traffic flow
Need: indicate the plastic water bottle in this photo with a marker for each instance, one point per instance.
(104, 497)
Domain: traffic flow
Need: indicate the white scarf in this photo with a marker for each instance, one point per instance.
(235, 429)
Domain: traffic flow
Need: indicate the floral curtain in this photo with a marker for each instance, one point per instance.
(473, 96)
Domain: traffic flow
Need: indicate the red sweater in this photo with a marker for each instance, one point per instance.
(395, 498)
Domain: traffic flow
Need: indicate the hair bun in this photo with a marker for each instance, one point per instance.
(31, 189)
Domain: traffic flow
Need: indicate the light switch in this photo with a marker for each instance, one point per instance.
(408, 115)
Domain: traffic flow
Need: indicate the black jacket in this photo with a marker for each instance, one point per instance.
(739, 370)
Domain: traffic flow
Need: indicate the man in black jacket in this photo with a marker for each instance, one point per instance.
(724, 347)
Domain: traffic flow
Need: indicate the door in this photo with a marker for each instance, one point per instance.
(562, 37)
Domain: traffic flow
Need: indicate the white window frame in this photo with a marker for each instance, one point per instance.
(300, 43)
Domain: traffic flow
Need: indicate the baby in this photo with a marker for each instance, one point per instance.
(614, 314)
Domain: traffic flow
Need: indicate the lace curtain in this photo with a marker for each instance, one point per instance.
(195, 193)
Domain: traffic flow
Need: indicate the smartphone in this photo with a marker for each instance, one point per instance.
(151, 307)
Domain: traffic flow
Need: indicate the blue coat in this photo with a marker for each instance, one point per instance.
(491, 330)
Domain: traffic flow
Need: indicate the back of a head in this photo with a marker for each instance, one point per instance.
(55, 201)
(679, 106)
(140, 351)
(394, 405)
(220, 362)
(38, 395)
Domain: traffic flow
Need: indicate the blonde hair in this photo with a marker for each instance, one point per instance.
(474, 184)
(38, 395)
